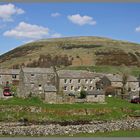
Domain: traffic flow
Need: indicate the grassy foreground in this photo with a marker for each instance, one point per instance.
(114, 108)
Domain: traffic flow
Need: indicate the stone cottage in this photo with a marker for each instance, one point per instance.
(116, 81)
(73, 81)
(9, 75)
(33, 80)
(95, 96)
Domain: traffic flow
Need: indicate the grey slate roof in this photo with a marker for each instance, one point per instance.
(9, 71)
(118, 78)
(77, 74)
(132, 78)
(114, 77)
(49, 88)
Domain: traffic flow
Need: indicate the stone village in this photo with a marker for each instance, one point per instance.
(66, 86)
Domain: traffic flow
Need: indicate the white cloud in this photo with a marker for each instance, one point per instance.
(8, 10)
(55, 14)
(27, 31)
(81, 20)
(56, 35)
(138, 29)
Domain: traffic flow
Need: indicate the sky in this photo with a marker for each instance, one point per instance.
(21, 23)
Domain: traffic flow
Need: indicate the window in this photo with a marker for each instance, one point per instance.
(14, 76)
(85, 88)
(91, 87)
(32, 85)
(91, 81)
(40, 87)
(72, 87)
(65, 88)
(70, 80)
(79, 88)
(65, 80)
(134, 89)
(95, 96)
(79, 80)
(32, 74)
(86, 81)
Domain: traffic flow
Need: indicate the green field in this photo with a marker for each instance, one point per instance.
(113, 109)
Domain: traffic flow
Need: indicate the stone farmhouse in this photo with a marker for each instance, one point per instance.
(73, 81)
(42, 82)
(33, 81)
(10, 75)
(115, 80)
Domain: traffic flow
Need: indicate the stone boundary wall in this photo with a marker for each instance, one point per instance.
(44, 130)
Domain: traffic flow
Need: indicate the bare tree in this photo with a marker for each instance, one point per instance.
(124, 82)
(124, 72)
(56, 79)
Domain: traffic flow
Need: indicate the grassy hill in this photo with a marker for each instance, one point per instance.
(80, 51)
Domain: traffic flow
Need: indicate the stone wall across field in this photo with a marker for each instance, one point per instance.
(95, 98)
(44, 130)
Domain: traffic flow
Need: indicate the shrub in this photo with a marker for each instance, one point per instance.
(83, 94)
(14, 90)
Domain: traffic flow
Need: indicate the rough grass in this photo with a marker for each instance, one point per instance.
(34, 101)
(108, 69)
(56, 46)
(113, 109)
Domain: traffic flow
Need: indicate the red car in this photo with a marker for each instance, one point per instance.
(135, 100)
(7, 92)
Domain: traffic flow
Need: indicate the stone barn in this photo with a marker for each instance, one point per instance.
(32, 81)
(95, 96)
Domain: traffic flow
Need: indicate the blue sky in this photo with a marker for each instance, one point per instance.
(24, 22)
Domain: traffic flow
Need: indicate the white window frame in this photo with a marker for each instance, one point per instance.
(91, 81)
(91, 87)
(79, 88)
(14, 76)
(72, 88)
(86, 81)
(40, 87)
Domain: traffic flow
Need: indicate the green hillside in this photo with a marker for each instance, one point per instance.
(74, 52)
